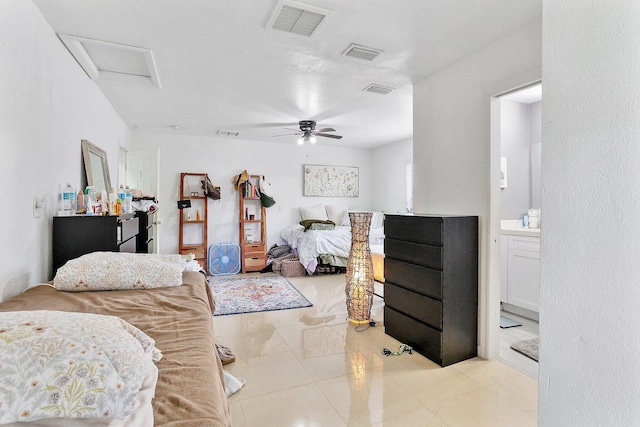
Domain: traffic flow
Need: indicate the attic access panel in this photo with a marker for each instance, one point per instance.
(106, 60)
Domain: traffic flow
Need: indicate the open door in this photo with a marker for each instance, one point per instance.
(142, 173)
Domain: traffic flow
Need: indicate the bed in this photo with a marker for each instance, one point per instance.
(190, 383)
(331, 246)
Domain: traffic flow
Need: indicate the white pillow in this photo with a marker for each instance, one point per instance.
(314, 212)
(335, 213)
(102, 271)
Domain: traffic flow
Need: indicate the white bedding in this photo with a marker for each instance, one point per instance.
(311, 243)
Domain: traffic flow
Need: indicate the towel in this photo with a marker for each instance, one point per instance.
(232, 384)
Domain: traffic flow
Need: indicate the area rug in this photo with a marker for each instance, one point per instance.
(236, 295)
(528, 347)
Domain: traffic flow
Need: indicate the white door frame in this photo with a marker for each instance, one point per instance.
(489, 321)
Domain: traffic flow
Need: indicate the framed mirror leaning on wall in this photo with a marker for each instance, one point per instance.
(96, 166)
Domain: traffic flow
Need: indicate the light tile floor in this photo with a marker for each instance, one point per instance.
(310, 367)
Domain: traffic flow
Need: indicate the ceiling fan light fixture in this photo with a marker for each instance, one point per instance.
(307, 138)
(308, 132)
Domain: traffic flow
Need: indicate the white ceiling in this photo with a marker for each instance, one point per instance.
(220, 68)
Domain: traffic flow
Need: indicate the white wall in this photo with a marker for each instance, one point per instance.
(47, 105)
(590, 276)
(451, 150)
(222, 158)
(389, 163)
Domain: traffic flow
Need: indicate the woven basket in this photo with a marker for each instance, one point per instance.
(292, 267)
(276, 264)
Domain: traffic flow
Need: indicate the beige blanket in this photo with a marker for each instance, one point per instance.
(190, 389)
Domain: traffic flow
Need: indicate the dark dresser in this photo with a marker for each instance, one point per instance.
(74, 236)
(431, 284)
(144, 243)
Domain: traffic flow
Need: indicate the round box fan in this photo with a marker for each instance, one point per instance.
(224, 258)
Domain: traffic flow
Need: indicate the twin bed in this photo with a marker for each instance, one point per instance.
(331, 246)
(185, 389)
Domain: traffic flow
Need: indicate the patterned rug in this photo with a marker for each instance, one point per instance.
(235, 295)
(529, 348)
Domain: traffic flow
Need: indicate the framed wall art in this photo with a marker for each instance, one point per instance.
(331, 181)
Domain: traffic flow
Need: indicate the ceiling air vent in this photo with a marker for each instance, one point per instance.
(228, 133)
(374, 88)
(296, 18)
(362, 52)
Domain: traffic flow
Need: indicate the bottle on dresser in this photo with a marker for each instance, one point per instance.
(69, 198)
(128, 200)
(121, 195)
(89, 200)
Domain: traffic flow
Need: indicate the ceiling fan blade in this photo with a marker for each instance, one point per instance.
(287, 134)
(328, 135)
(326, 130)
(296, 130)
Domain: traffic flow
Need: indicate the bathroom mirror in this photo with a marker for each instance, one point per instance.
(96, 167)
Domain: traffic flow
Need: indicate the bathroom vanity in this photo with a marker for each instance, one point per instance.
(520, 269)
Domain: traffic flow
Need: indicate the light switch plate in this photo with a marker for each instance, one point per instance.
(37, 208)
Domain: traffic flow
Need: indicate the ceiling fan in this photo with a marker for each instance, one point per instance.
(308, 132)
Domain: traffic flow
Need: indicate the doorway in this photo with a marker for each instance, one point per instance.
(139, 169)
(515, 192)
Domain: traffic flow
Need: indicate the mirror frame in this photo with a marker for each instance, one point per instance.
(87, 149)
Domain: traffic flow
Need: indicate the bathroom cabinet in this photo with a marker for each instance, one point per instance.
(521, 271)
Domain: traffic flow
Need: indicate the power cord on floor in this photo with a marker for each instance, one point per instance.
(403, 348)
(368, 325)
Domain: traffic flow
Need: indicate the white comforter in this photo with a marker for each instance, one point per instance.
(311, 243)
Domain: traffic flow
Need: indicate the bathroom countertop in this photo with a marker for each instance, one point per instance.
(514, 228)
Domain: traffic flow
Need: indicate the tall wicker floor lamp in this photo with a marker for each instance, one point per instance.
(359, 275)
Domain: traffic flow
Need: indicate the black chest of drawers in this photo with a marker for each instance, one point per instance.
(431, 284)
(144, 243)
(74, 236)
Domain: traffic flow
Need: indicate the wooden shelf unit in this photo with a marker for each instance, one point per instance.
(193, 232)
(253, 249)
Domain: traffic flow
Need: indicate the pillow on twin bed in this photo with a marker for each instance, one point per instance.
(102, 271)
(335, 213)
(70, 365)
(314, 212)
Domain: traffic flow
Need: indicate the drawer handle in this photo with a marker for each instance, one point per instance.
(255, 258)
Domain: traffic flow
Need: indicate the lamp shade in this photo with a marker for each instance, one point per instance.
(359, 288)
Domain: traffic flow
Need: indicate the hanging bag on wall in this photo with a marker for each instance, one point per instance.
(210, 190)
(265, 187)
(266, 193)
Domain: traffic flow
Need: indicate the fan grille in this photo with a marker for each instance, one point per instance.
(224, 258)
